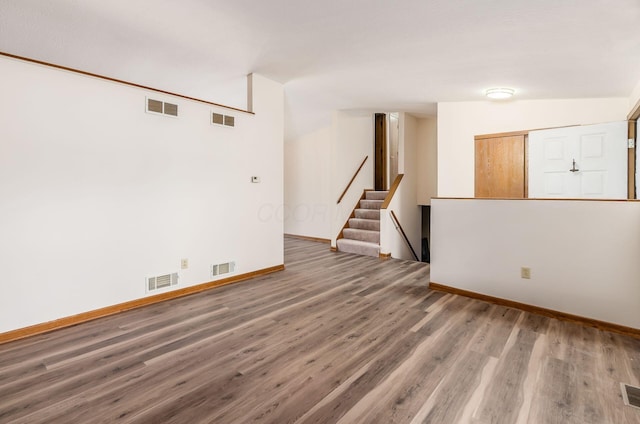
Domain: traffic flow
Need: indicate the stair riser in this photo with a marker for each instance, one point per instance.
(370, 204)
(368, 213)
(376, 195)
(362, 235)
(344, 246)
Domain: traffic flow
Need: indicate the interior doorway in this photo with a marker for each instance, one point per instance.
(380, 152)
(426, 233)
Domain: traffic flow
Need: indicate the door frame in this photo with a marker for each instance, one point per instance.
(632, 119)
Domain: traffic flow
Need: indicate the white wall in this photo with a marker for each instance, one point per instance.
(583, 255)
(352, 142)
(318, 167)
(459, 122)
(404, 203)
(427, 157)
(97, 195)
(307, 185)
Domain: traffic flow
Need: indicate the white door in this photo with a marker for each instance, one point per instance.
(588, 161)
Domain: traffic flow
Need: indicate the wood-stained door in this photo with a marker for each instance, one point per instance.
(500, 169)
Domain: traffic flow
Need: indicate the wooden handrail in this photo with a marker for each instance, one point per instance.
(395, 221)
(352, 178)
(392, 191)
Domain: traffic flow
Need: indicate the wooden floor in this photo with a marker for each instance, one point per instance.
(333, 338)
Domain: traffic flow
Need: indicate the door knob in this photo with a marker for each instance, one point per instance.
(573, 168)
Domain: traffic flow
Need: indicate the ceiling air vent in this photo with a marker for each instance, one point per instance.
(160, 107)
(162, 281)
(225, 120)
(224, 268)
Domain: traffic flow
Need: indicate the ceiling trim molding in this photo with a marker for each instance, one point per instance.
(119, 81)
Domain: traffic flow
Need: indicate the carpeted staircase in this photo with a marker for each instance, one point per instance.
(362, 233)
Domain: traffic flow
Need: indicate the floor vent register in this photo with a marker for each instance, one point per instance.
(631, 395)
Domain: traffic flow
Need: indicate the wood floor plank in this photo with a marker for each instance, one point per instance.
(99, 357)
(446, 404)
(363, 340)
(334, 338)
(492, 337)
(340, 400)
(427, 299)
(555, 404)
(535, 323)
(20, 406)
(504, 396)
(293, 390)
(399, 397)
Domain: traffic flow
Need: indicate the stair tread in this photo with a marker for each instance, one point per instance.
(361, 229)
(358, 247)
(357, 242)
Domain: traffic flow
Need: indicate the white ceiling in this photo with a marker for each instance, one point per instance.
(340, 54)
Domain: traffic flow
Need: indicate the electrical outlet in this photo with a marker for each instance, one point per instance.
(525, 272)
(184, 263)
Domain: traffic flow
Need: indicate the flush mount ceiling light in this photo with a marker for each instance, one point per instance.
(499, 93)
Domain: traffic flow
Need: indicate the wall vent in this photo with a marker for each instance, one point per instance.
(217, 118)
(630, 395)
(170, 109)
(154, 106)
(229, 121)
(224, 268)
(162, 108)
(224, 120)
(162, 281)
